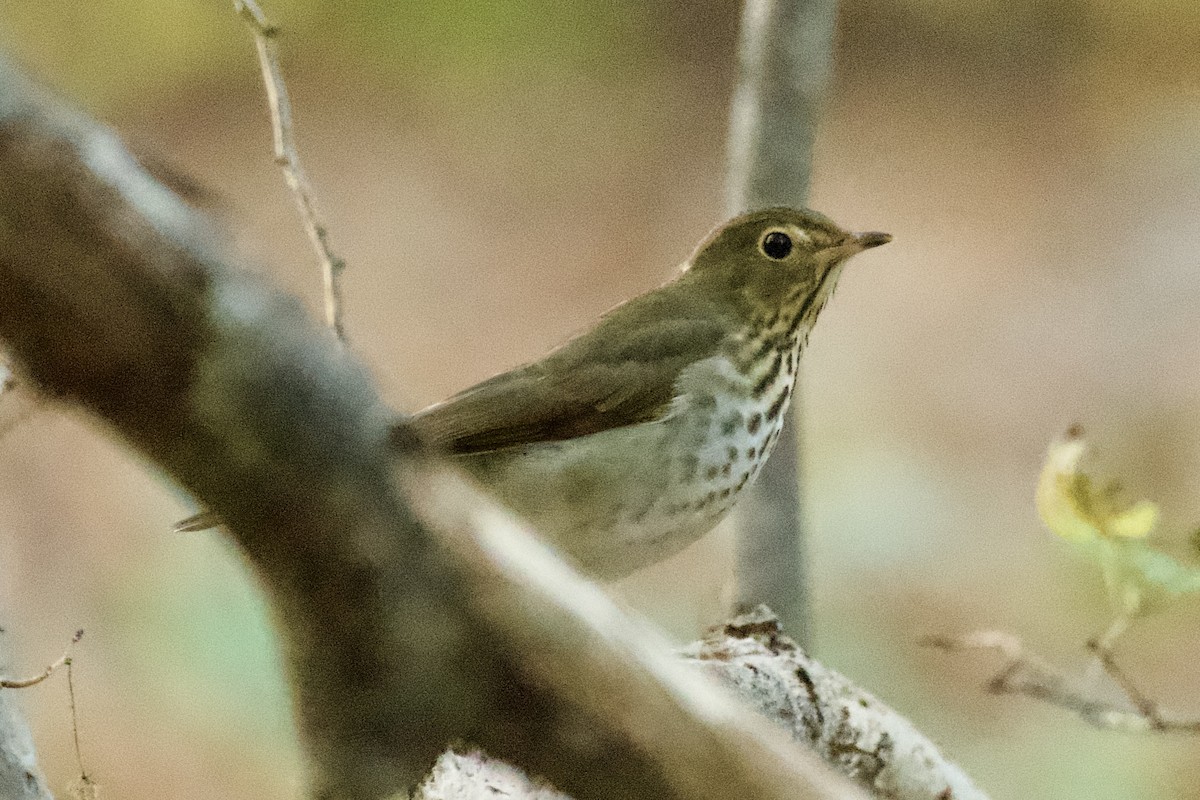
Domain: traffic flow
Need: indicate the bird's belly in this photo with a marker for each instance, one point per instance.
(622, 499)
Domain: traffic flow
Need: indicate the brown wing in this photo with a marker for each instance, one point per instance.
(606, 378)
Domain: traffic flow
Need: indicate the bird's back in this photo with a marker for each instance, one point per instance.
(621, 372)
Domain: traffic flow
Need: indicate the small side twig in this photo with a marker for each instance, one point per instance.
(1106, 642)
(24, 683)
(288, 158)
(85, 787)
(1025, 673)
(1144, 705)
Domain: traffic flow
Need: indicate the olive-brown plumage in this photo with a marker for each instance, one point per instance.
(633, 439)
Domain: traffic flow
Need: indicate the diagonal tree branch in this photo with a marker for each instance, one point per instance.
(413, 611)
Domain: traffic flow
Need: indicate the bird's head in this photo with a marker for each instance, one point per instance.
(778, 261)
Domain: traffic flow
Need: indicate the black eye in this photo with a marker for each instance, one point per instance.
(777, 245)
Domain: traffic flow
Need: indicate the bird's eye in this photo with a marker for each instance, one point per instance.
(776, 245)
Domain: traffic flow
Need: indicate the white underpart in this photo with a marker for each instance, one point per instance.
(636, 540)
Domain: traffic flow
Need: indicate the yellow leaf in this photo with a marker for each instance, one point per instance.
(1072, 507)
(1135, 522)
(1058, 495)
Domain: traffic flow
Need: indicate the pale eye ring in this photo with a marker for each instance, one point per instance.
(776, 245)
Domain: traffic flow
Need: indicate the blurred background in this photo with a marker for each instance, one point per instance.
(498, 174)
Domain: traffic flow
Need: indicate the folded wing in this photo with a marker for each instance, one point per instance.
(622, 372)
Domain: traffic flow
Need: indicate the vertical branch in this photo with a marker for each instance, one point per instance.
(784, 64)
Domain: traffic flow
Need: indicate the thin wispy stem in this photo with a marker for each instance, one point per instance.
(287, 156)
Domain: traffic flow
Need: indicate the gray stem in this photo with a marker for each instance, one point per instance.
(784, 65)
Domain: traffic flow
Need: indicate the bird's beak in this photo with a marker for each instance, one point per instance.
(858, 242)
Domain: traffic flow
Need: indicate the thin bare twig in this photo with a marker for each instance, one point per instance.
(84, 780)
(24, 683)
(1105, 642)
(1144, 705)
(1027, 674)
(288, 158)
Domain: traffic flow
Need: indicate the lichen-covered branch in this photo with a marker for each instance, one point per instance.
(860, 736)
(20, 778)
(852, 729)
(413, 611)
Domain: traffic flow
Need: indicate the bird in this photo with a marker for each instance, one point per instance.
(633, 439)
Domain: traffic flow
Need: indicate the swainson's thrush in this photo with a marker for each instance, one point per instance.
(632, 440)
